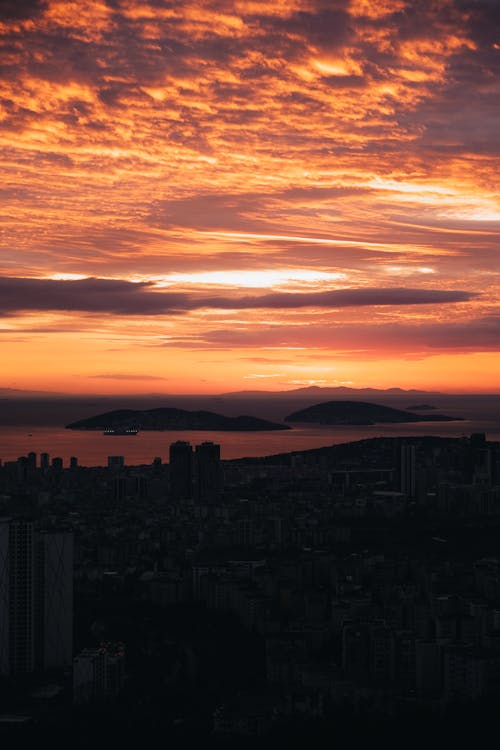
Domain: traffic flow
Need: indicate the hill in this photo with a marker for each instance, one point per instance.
(339, 391)
(173, 419)
(359, 413)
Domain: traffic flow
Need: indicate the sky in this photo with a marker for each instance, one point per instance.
(203, 196)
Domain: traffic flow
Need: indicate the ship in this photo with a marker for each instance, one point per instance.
(121, 431)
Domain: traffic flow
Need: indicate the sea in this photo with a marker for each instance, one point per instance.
(31, 428)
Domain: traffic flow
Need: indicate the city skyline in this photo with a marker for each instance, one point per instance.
(214, 196)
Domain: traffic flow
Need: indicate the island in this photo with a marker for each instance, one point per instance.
(421, 407)
(360, 413)
(131, 420)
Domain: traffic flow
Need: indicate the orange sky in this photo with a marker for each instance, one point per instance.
(210, 196)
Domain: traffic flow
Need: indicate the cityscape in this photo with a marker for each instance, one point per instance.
(256, 598)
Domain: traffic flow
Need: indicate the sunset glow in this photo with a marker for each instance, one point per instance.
(200, 197)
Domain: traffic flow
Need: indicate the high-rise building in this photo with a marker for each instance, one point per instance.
(407, 470)
(116, 462)
(208, 472)
(22, 468)
(54, 579)
(36, 598)
(98, 673)
(181, 470)
(44, 461)
(17, 597)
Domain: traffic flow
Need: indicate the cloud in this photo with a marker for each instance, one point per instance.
(20, 9)
(141, 138)
(94, 295)
(87, 295)
(362, 340)
(345, 298)
(125, 376)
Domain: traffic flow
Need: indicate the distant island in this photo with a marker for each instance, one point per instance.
(421, 407)
(360, 413)
(172, 419)
(332, 391)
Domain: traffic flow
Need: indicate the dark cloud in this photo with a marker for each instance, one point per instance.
(88, 295)
(20, 9)
(343, 298)
(128, 298)
(328, 27)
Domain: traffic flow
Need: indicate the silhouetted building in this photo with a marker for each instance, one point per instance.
(181, 470)
(54, 581)
(17, 597)
(119, 489)
(44, 461)
(116, 462)
(98, 673)
(407, 470)
(208, 472)
(428, 668)
(22, 469)
(36, 598)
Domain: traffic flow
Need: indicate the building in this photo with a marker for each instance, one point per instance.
(36, 598)
(181, 470)
(54, 579)
(17, 597)
(98, 673)
(208, 473)
(116, 462)
(407, 470)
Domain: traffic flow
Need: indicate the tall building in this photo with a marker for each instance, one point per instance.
(181, 470)
(208, 472)
(98, 673)
(36, 598)
(17, 597)
(54, 574)
(407, 470)
(116, 462)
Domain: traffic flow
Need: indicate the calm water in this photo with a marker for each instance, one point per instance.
(93, 448)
